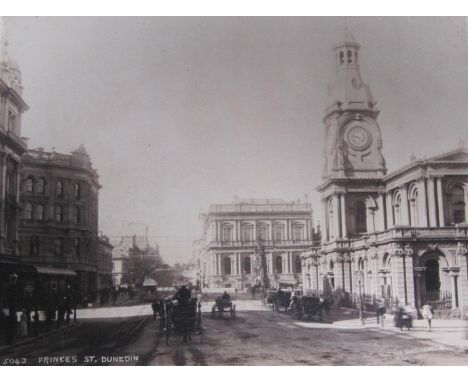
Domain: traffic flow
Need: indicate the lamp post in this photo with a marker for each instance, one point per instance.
(359, 275)
(12, 319)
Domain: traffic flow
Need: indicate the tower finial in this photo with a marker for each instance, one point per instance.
(3, 36)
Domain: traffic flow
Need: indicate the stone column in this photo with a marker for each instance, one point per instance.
(290, 263)
(440, 202)
(338, 272)
(344, 232)
(463, 284)
(454, 288)
(389, 210)
(324, 225)
(402, 276)
(404, 205)
(431, 202)
(466, 202)
(382, 212)
(423, 222)
(336, 211)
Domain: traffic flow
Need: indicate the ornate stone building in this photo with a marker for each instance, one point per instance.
(59, 222)
(12, 147)
(226, 256)
(401, 235)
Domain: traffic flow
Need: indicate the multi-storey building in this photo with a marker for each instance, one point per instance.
(401, 235)
(59, 222)
(12, 147)
(227, 255)
(104, 263)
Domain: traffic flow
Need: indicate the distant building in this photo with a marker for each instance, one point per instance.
(226, 254)
(121, 261)
(59, 222)
(104, 262)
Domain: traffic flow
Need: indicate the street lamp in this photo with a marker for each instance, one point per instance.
(359, 275)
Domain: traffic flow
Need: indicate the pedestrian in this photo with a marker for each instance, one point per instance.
(381, 310)
(23, 325)
(427, 314)
(114, 296)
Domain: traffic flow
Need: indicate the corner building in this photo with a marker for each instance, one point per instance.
(12, 147)
(403, 235)
(59, 223)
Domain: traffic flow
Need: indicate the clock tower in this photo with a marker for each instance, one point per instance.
(353, 141)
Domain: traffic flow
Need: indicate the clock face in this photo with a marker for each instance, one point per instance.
(358, 137)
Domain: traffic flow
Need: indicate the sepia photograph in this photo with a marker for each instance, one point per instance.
(233, 191)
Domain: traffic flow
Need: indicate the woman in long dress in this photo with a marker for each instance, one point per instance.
(427, 314)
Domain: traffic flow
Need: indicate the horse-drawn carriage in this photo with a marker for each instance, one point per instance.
(281, 301)
(180, 320)
(309, 308)
(223, 304)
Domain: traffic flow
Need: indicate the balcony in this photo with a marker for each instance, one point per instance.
(260, 208)
(400, 233)
(267, 244)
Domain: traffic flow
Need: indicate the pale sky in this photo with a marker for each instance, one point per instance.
(179, 113)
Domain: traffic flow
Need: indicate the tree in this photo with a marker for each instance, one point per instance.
(265, 281)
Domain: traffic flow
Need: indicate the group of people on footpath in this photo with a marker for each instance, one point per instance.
(403, 316)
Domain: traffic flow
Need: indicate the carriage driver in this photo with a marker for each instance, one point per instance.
(225, 297)
(183, 295)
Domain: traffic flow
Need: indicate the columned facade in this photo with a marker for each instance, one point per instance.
(232, 232)
(402, 236)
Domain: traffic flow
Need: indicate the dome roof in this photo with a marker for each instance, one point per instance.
(10, 71)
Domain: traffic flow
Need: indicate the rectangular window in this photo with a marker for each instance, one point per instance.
(226, 233)
(278, 233)
(262, 232)
(58, 247)
(297, 232)
(247, 233)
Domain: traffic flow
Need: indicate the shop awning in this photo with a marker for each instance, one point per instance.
(43, 270)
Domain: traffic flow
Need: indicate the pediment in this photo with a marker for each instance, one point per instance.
(460, 155)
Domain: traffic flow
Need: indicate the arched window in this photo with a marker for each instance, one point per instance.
(279, 264)
(28, 211)
(58, 213)
(40, 212)
(247, 265)
(59, 188)
(458, 205)
(227, 265)
(397, 208)
(40, 186)
(34, 246)
(350, 57)
(58, 245)
(414, 214)
(30, 185)
(361, 217)
(298, 265)
(77, 190)
(341, 57)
